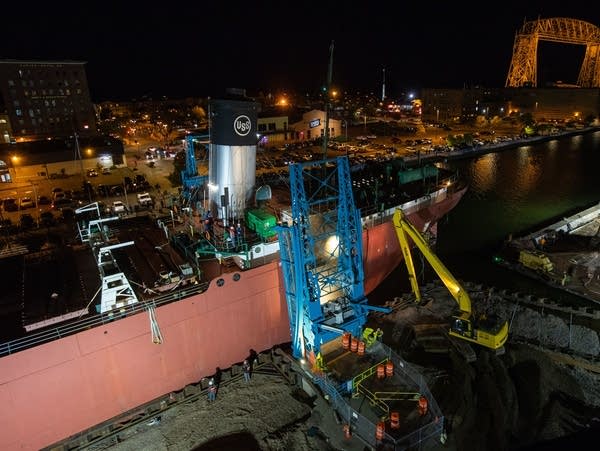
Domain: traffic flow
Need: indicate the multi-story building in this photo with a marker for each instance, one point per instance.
(45, 99)
(557, 104)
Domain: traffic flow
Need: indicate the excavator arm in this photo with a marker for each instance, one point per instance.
(461, 326)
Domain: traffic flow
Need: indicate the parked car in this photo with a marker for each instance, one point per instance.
(26, 221)
(26, 202)
(144, 199)
(118, 207)
(92, 173)
(117, 190)
(44, 200)
(105, 171)
(61, 203)
(10, 204)
(47, 219)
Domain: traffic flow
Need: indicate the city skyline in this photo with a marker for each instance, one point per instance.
(134, 50)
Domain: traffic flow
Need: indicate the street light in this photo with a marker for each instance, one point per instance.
(15, 160)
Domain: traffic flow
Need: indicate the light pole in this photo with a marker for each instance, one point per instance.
(14, 160)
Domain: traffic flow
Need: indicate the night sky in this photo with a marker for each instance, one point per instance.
(134, 49)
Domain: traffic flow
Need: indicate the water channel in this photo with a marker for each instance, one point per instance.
(512, 191)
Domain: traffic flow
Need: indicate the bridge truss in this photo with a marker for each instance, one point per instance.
(523, 67)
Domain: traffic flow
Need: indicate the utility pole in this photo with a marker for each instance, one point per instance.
(329, 76)
(79, 155)
(383, 87)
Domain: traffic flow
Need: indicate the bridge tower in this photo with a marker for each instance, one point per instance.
(523, 66)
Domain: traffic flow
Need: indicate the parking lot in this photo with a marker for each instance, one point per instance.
(53, 200)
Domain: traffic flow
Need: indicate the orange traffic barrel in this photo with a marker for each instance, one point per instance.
(380, 371)
(347, 431)
(346, 340)
(394, 420)
(354, 345)
(361, 348)
(389, 368)
(380, 430)
(423, 405)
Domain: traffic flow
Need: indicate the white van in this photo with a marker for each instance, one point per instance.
(144, 199)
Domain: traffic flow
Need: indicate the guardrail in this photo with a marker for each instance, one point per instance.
(73, 327)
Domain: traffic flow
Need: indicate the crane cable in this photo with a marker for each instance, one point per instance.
(155, 329)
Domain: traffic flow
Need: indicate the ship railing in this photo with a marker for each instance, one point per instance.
(374, 215)
(65, 329)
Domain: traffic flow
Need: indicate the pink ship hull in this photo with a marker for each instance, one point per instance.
(381, 251)
(58, 389)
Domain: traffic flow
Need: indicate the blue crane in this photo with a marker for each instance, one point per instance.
(321, 255)
(192, 182)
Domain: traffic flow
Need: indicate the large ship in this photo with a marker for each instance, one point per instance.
(149, 303)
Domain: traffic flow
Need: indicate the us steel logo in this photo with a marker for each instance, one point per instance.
(242, 125)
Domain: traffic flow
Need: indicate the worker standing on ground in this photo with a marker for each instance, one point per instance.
(246, 369)
(212, 390)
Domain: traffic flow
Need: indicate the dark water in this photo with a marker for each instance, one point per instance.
(510, 192)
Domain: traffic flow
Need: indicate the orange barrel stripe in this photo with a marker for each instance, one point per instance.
(423, 404)
(354, 345)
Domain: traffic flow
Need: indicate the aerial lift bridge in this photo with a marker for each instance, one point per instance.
(321, 255)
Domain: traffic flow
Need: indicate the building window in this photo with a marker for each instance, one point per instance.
(11, 83)
(18, 112)
(262, 127)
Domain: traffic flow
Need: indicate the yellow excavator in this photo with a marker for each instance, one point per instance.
(487, 334)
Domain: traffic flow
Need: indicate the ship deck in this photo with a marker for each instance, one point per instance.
(56, 261)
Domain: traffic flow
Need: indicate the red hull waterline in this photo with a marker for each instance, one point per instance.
(58, 389)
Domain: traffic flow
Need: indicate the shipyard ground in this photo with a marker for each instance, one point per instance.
(533, 396)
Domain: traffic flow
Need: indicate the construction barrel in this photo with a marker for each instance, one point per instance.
(346, 340)
(347, 431)
(381, 371)
(354, 345)
(389, 368)
(423, 404)
(361, 348)
(380, 430)
(394, 420)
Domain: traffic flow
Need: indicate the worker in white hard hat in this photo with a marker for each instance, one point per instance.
(212, 390)
(246, 368)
